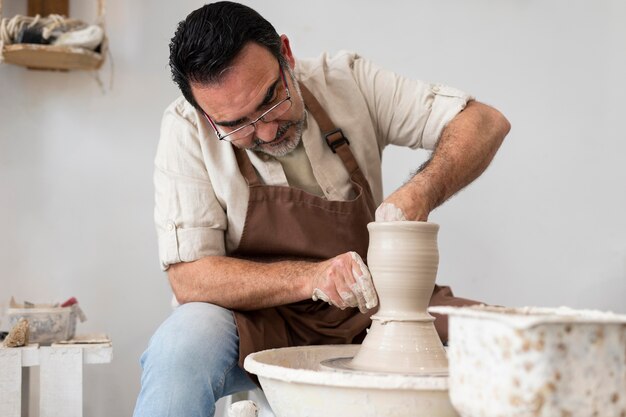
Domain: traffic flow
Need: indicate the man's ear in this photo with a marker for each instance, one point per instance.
(285, 50)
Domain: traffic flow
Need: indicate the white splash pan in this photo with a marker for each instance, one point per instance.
(536, 362)
(296, 386)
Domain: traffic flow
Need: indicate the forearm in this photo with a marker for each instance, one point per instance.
(465, 149)
(240, 284)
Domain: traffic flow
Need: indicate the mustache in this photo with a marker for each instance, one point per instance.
(279, 134)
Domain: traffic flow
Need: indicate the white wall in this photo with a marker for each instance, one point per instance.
(544, 225)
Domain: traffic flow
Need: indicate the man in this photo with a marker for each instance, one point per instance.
(267, 173)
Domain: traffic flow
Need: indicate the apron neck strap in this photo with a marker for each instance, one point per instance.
(334, 137)
(321, 117)
(246, 167)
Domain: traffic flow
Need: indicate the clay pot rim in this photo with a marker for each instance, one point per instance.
(409, 225)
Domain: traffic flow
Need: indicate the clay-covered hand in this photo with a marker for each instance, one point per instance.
(403, 204)
(388, 212)
(345, 281)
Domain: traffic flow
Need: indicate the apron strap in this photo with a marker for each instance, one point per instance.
(246, 167)
(334, 136)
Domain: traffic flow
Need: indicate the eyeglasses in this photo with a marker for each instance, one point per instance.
(268, 116)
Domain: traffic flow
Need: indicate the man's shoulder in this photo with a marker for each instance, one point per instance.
(326, 62)
(180, 108)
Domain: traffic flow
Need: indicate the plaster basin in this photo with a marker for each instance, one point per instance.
(536, 362)
(297, 386)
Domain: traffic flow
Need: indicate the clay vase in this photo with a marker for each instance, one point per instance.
(403, 258)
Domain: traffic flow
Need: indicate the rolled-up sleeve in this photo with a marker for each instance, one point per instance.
(190, 222)
(407, 112)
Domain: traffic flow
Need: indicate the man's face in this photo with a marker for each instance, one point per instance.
(251, 86)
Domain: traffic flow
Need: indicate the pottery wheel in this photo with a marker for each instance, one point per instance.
(344, 364)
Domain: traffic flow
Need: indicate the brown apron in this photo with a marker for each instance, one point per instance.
(289, 222)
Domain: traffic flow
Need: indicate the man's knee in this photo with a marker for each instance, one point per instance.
(187, 362)
(197, 338)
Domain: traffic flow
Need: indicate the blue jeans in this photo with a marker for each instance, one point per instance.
(190, 363)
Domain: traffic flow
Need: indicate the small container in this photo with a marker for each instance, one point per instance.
(539, 362)
(48, 324)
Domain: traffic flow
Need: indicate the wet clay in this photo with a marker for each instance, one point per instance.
(400, 370)
(403, 258)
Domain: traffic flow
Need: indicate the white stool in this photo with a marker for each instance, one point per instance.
(61, 377)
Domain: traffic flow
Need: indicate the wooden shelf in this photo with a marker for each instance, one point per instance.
(46, 7)
(52, 57)
(55, 57)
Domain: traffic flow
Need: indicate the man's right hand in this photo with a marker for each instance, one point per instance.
(344, 281)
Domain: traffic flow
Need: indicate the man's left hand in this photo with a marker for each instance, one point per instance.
(401, 206)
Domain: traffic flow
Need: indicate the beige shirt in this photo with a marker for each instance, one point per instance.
(299, 172)
(201, 197)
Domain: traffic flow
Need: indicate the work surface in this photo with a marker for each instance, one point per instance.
(61, 377)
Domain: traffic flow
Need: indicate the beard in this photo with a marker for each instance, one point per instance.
(282, 144)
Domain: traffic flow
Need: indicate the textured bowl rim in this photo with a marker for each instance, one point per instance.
(38, 310)
(526, 317)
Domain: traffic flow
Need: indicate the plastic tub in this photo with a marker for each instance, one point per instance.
(47, 324)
